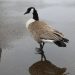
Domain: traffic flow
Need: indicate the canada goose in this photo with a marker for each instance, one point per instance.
(43, 33)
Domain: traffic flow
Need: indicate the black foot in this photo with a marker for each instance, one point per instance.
(41, 52)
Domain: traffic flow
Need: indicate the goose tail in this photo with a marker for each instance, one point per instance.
(65, 40)
(60, 43)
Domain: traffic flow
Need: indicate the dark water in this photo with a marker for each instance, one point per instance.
(18, 53)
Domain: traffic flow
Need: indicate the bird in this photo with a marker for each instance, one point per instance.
(42, 32)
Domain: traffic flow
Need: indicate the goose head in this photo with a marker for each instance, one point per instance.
(34, 12)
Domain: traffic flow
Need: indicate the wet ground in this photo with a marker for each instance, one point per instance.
(18, 55)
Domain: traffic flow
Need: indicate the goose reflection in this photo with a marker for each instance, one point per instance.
(0, 53)
(45, 67)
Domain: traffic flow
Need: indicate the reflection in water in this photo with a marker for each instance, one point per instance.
(0, 53)
(46, 68)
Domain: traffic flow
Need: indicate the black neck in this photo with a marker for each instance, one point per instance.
(35, 15)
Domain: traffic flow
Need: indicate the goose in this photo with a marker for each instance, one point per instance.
(42, 32)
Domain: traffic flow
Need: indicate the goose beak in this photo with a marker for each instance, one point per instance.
(25, 13)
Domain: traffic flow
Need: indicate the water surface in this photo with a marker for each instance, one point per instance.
(18, 52)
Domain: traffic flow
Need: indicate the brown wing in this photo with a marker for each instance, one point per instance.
(43, 31)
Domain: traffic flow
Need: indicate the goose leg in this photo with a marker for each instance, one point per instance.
(42, 52)
(43, 57)
(42, 45)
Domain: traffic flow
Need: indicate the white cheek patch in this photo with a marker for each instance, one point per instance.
(31, 11)
(29, 22)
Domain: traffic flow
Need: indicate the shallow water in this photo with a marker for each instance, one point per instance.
(18, 53)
